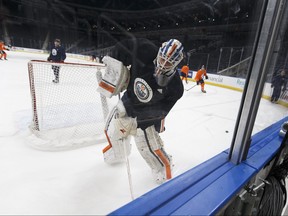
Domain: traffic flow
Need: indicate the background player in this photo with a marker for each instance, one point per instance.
(184, 73)
(279, 82)
(199, 78)
(57, 55)
(2, 52)
(93, 58)
(152, 88)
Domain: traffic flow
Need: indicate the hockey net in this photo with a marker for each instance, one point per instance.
(68, 114)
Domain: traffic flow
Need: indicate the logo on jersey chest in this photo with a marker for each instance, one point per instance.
(142, 90)
(54, 52)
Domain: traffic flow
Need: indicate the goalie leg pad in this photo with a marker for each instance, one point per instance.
(118, 151)
(150, 146)
(118, 129)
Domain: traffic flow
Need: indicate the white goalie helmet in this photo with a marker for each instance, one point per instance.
(170, 54)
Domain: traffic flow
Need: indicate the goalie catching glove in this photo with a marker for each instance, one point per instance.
(116, 77)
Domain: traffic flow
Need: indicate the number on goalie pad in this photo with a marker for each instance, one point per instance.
(116, 77)
(150, 146)
(118, 129)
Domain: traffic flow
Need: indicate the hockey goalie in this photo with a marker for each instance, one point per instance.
(147, 76)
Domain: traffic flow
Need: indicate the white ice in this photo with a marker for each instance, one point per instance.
(78, 182)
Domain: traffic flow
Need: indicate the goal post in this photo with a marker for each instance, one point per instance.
(70, 113)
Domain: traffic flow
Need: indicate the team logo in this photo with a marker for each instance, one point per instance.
(142, 90)
(54, 52)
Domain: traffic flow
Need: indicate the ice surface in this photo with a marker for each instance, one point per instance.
(78, 182)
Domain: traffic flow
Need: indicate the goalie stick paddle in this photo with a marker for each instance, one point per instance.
(128, 166)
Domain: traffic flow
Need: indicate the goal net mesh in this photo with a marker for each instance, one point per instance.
(70, 113)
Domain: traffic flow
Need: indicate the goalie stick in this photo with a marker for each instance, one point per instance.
(126, 158)
(128, 172)
(128, 166)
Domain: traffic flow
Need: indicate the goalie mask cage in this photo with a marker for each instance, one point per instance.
(68, 114)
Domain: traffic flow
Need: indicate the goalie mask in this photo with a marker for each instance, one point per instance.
(169, 56)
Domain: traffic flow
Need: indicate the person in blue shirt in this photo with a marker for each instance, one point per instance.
(57, 55)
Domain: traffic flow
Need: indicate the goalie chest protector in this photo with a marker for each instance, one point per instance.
(144, 98)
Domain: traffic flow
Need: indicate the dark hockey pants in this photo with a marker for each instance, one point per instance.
(276, 93)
